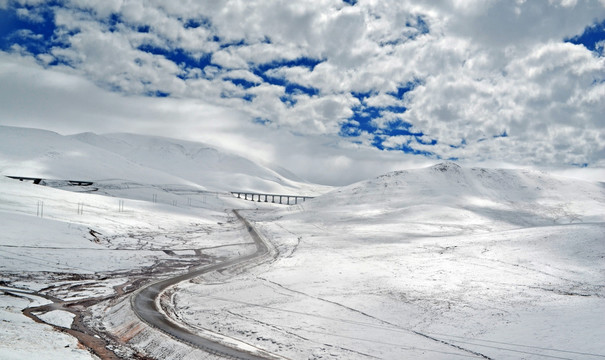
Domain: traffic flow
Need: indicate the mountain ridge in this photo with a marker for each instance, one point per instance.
(141, 158)
(473, 199)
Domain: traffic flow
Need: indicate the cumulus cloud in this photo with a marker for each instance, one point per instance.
(475, 81)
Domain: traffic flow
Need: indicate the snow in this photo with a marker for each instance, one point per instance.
(443, 262)
(32, 152)
(81, 242)
(22, 338)
(199, 163)
(506, 263)
(59, 318)
(62, 241)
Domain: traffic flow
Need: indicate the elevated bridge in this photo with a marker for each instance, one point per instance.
(25, 178)
(37, 180)
(272, 198)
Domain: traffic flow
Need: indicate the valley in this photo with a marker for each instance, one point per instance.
(441, 262)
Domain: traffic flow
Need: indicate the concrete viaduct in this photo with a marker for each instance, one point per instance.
(281, 199)
(37, 181)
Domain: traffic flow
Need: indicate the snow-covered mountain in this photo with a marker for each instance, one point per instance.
(467, 199)
(196, 162)
(434, 263)
(41, 153)
(137, 158)
(428, 263)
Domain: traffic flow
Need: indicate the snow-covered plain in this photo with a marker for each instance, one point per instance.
(444, 262)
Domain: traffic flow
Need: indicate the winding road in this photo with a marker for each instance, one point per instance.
(145, 306)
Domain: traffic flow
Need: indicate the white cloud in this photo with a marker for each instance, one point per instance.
(226, 59)
(30, 15)
(28, 34)
(505, 23)
(243, 74)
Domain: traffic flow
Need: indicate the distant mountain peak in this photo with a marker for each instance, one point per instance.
(468, 199)
(446, 166)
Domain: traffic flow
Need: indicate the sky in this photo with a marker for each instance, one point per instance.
(336, 91)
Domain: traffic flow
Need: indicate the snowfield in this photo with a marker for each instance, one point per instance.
(21, 338)
(444, 262)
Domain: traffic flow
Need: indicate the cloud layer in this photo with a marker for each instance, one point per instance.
(475, 81)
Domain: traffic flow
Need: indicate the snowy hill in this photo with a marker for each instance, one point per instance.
(199, 163)
(467, 199)
(137, 158)
(436, 263)
(41, 153)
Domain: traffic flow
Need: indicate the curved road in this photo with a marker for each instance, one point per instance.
(144, 304)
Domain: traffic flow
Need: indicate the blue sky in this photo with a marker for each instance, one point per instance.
(384, 84)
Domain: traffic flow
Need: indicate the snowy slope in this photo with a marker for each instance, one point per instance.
(199, 163)
(78, 245)
(33, 153)
(468, 199)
